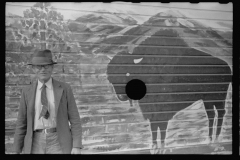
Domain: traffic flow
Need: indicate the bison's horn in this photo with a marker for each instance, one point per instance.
(110, 57)
(137, 60)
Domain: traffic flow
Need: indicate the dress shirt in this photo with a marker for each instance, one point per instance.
(42, 122)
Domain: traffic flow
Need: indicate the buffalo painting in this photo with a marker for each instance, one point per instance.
(157, 45)
(174, 78)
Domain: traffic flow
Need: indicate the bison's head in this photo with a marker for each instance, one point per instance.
(167, 74)
(121, 70)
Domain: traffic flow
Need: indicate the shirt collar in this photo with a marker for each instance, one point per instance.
(48, 84)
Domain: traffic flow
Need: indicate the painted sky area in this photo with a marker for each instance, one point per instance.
(70, 10)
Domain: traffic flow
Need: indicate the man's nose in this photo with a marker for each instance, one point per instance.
(42, 68)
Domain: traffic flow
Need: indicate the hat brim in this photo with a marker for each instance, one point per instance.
(42, 60)
(41, 63)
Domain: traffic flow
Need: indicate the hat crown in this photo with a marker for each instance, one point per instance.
(44, 53)
(42, 57)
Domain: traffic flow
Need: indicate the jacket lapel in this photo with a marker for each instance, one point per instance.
(31, 100)
(58, 90)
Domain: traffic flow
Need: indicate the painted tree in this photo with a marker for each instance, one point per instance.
(41, 27)
(46, 26)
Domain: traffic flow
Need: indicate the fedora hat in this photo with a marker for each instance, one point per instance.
(42, 57)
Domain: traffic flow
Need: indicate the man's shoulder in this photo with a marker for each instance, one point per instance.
(28, 87)
(63, 84)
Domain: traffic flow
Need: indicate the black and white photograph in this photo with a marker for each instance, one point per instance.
(118, 78)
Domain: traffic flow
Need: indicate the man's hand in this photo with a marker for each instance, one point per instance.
(76, 151)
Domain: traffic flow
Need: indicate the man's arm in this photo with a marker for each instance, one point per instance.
(74, 118)
(21, 126)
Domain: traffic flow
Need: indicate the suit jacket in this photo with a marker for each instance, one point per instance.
(66, 111)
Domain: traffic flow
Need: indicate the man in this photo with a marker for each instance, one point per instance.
(46, 108)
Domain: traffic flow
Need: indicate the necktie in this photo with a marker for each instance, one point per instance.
(44, 101)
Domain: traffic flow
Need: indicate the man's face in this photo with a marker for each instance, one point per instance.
(43, 72)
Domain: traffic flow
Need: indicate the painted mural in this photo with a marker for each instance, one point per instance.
(182, 52)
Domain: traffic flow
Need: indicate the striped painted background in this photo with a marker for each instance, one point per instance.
(84, 37)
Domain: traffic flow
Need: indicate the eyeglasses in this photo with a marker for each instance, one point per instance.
(39, 67)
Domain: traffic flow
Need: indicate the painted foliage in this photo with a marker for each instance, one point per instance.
(184, 56)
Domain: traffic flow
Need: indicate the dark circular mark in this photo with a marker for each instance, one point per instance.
(135, 89)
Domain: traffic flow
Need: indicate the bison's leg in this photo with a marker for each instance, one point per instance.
(221, 112)
(211, 115)
(163, 128)
(154, 128)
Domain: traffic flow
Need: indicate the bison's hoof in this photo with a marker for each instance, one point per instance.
(219, 148)
(162, 151)
(215, 144)
(154, 149)
(218, 140)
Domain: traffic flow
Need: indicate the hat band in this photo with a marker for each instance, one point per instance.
(41, 60)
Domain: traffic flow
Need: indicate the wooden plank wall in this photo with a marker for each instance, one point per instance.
(85, 37)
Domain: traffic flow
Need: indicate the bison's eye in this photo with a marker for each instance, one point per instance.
(128, 74)
(137, 60)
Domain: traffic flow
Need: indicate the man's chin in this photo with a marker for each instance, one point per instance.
(44, 79)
